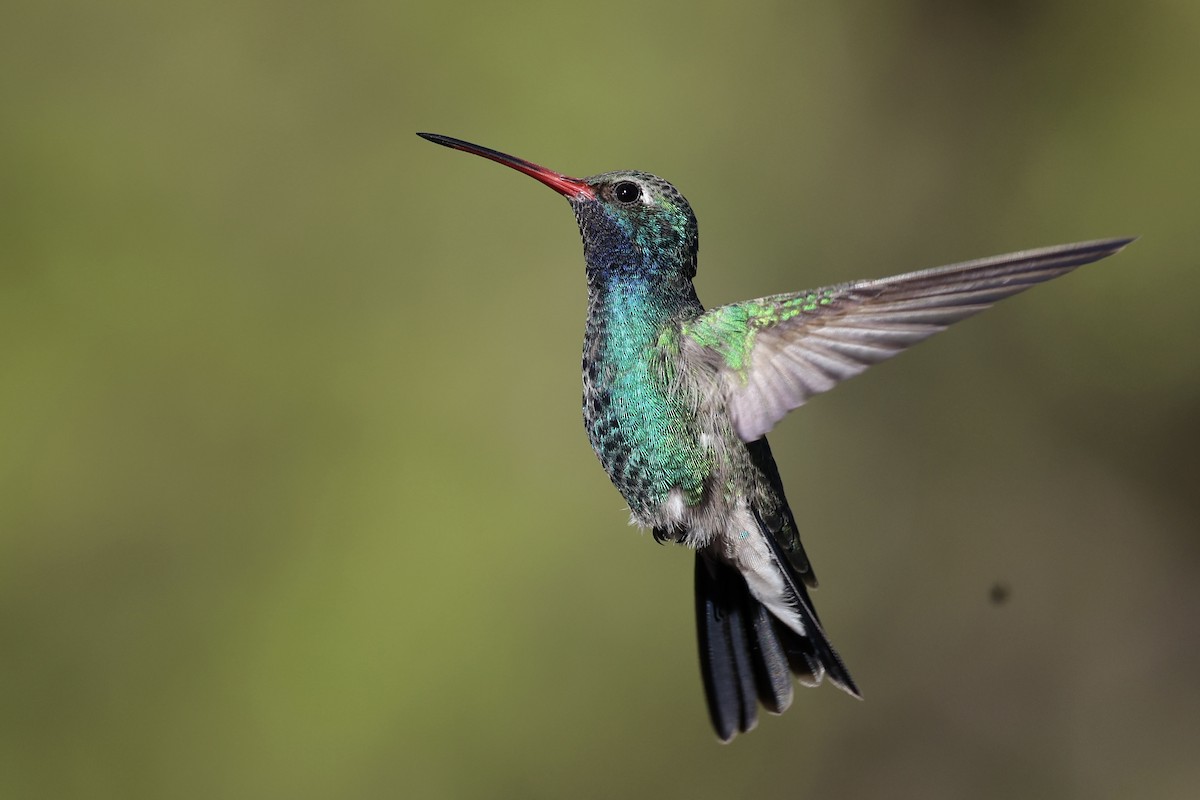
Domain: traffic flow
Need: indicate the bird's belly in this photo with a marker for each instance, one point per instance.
(649, 447)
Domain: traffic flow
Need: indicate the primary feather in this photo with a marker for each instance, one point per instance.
(775, 352)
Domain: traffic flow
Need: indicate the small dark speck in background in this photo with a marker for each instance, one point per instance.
(999, 593)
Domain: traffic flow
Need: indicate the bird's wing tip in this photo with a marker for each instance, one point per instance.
(1121, 242)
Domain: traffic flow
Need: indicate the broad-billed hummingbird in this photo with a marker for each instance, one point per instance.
(677, 400)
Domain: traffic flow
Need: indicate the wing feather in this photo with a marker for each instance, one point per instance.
(775, 352)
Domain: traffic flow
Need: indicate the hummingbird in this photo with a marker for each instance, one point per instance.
(677, 401)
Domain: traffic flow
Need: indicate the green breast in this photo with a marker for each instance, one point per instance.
(643, 432)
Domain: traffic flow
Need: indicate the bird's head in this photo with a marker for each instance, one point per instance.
(633, 224)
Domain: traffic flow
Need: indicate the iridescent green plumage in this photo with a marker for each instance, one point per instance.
(640, 428)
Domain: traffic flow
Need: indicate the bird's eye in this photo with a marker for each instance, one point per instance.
(627, 192)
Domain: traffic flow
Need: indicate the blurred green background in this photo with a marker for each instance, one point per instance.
(294, 495)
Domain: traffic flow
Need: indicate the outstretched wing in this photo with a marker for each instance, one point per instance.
(775, 352)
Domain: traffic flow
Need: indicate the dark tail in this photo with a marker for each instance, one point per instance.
(747, 656)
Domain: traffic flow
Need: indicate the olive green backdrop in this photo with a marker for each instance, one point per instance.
(294, 496)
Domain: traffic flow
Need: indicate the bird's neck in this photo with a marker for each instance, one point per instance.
(628, 312)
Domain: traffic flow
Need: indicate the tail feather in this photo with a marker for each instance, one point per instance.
(772, 666)
(742, 661)
(811, 655)
(747, 655)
